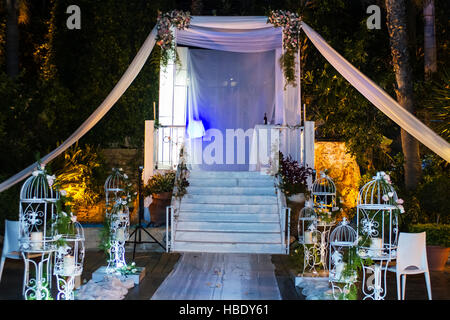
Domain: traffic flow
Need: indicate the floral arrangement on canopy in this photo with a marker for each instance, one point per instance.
(388, 197)
(165, 37)
(291, 24)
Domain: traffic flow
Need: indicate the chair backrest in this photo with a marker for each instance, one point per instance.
(11, 240)
(411, 251)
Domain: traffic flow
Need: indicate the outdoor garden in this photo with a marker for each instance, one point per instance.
(53, 77)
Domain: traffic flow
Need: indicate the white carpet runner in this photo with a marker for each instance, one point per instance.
(220, 276)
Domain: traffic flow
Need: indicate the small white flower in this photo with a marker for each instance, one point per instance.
(385, 197)
(400, 201)
(35, 173)
(402, 209)
(335, 209)
(125, 176)
(390, 194)
(133, 263)
(42, 166)
(58, 236)
(64, 214)
(124, 202)
(63, 193)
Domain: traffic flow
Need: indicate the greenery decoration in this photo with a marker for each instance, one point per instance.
(165, 37)
(127, 269)
(291, 23)
(293, 176)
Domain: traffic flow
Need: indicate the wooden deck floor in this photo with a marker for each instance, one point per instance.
(160, 264)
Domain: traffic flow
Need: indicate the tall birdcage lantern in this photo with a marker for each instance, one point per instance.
(343, 242)
(115, 186)
(119, 220)
(69, 260)
(377, 217)
(323, 193)
(309, 237)
(37, 211)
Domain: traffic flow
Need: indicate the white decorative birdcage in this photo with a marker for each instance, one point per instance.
(69, 260)
(115, 186)
(37, 209)
(323, 193)
(377, 218)
(119, 220)
(307, 220)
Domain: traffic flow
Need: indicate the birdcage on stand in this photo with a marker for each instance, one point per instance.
(37, 210)
(118, 218)
(323, 194)
(377, 217)
(308, 236)
(69, 260)
(343, 242)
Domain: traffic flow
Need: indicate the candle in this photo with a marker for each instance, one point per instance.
(376, 245)
(36, 240)
(69, 264)
(339, 268)
(120, 235)
(309, 237)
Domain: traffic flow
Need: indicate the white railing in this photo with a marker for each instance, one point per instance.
(168, 143)
(169, 225)
(285, 218)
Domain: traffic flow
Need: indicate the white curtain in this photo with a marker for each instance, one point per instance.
(230, 90)
(379, 97)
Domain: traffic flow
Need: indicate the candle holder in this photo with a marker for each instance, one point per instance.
(342, 276)
(308, 236)
(37, 209)
(69, 260)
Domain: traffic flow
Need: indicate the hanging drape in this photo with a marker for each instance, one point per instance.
(383, 101)
(206, 28)
(121, 86)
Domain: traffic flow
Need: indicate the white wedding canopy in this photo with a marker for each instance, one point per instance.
(253, 34)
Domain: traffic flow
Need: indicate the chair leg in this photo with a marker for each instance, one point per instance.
(2, 264)
(399, 292)
(403, 286)
(428, 282)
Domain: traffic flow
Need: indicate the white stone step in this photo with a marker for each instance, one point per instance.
(227, 237)
(181, 246)
(229, 208)
(230, 182)
(229, 199)
(227, 217)
(228, 226)
(232, 191)
(229, 174)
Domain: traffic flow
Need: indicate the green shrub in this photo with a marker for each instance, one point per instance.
(437, 234)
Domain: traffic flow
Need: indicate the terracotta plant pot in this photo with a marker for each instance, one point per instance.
(158, 208)
(437, 257)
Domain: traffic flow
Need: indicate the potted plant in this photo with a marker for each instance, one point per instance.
(433, 194)
(438, 243)
(293, 183)
(160, 187)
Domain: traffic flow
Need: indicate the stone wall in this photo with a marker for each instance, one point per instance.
(342, 168)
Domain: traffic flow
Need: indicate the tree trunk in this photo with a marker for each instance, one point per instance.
(396, 23)
(429, 39)
(12, 39)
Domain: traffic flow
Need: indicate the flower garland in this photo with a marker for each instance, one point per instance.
(291, 24)
(165, 37)
(388, 196)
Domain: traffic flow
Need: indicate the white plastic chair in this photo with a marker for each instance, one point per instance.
(10, 243)
(411, 259)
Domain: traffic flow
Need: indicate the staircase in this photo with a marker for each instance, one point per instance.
(223, 211)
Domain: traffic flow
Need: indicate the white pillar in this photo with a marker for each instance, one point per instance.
(148, 149)
(309, 144)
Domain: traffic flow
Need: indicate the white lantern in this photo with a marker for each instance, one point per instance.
(69, 260)
(323, 192)
(343, 241)
(115, 186)
(377, 218)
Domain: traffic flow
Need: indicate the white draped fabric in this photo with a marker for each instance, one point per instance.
(383, 101)
(207, 29)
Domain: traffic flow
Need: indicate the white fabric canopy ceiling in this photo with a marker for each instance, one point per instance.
(238, 25)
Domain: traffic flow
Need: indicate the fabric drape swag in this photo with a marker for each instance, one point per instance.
(245, 35)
